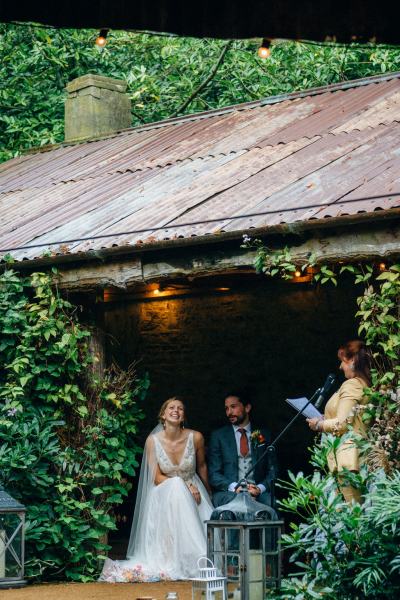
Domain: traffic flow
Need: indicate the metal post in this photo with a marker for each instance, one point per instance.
(22, 517)
(244, 552)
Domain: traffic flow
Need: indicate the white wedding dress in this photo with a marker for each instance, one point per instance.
(168, 533)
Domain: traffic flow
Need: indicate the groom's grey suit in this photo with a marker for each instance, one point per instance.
(223, 465)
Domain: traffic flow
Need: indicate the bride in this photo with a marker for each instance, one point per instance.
(168, 532)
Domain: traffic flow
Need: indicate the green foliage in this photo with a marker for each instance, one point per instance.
(67, 439)
(343, 550)
(379, 321)
(162, 72)
(271, 263)
(380, 325)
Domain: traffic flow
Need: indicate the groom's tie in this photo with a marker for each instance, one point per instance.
(244, 443)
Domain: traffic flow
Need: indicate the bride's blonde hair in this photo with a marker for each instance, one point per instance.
(164, 407)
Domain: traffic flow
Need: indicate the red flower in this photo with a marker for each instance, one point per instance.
(257, 438)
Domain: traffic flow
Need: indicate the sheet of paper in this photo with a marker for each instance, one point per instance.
(310, 412)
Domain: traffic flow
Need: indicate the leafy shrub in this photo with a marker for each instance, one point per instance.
(341, 550)
(67, 438)
(380, 324)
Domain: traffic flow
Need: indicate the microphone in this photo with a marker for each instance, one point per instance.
(324, 391)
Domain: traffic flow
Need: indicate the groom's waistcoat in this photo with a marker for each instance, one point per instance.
(224, 466)
(244, 465)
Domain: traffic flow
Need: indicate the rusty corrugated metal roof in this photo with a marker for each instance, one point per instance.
(318, 154)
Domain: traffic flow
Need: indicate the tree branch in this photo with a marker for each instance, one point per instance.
(139, 118)
(204, 83)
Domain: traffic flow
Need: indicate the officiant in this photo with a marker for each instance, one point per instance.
(344, 415)
(234, 449)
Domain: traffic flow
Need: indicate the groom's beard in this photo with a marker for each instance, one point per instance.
(238, 420)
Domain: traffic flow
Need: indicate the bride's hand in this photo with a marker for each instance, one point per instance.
(195, 493)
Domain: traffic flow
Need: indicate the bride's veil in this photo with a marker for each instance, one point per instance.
(137, 538)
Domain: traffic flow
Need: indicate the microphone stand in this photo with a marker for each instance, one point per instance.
(270, 449)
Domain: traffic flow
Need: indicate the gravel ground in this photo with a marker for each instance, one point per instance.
(99, 591)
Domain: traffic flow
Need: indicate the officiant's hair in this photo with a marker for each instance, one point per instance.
(165, 404)
(357, 350)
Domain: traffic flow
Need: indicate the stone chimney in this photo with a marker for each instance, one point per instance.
(95, 106)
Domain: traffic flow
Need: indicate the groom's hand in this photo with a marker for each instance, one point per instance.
(254, 490)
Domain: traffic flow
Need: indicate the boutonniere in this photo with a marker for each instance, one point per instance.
(257, 438)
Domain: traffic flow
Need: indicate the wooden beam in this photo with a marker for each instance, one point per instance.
(92, 276)
(352, 246)
(346, 247)
(189, 263)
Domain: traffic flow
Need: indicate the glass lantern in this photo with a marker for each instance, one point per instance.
(244, 543)
(208, 585)
(12, 541)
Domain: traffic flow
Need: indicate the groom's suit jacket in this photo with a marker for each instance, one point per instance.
(223, 468)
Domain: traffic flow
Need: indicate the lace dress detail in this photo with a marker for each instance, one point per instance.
(186, 469)
(173, 531)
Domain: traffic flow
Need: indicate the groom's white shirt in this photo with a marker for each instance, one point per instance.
(238, 435)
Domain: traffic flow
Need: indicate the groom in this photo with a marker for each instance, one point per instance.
(232, 452)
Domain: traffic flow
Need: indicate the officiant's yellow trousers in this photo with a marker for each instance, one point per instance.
(350, 494)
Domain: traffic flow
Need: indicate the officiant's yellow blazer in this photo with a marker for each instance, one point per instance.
(344, 408)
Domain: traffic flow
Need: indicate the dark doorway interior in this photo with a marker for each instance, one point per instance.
(278, 338)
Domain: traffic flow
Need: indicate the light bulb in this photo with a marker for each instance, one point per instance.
(101, 39)
(297, 273)
(264, 50)
(382, 266)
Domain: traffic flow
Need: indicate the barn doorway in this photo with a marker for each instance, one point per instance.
(201, 341)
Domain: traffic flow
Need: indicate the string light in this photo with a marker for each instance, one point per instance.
(382, 266)
(303, 275)
(264, 50)
(101, 39)
(354, 42)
